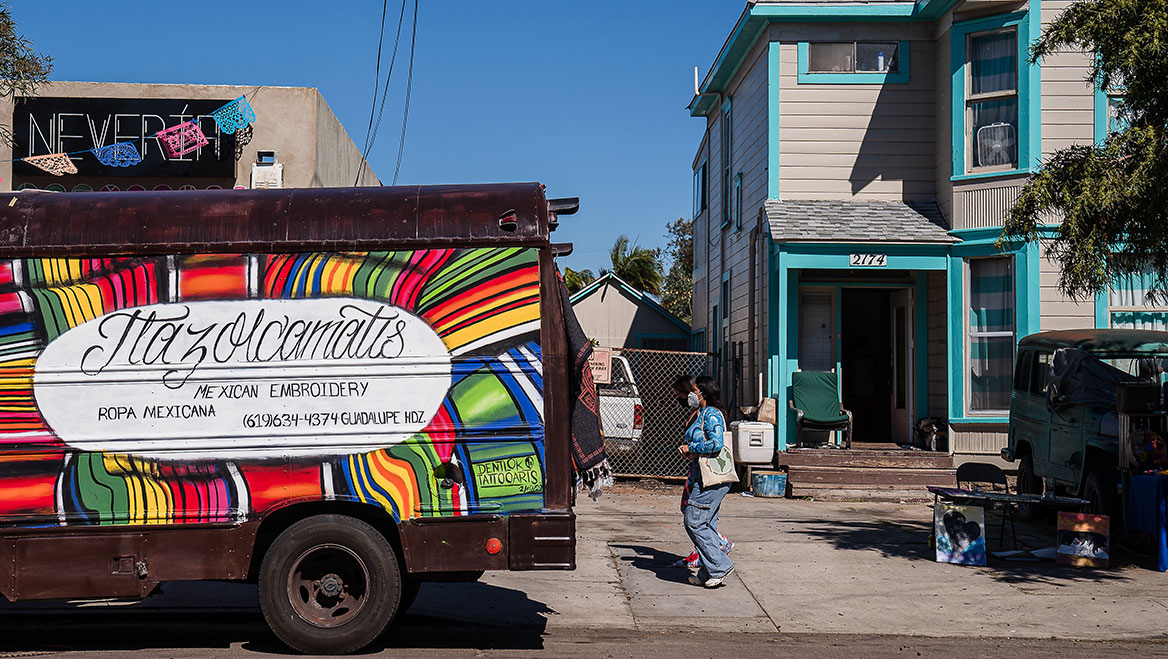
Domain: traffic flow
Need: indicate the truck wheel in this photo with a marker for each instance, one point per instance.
(329, 584)
(1028, 483)
(1100, 490)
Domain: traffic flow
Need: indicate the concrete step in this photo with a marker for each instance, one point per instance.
(862, 493)
(890, 459)
(812, 476)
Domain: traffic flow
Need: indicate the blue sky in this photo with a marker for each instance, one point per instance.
(586, 97)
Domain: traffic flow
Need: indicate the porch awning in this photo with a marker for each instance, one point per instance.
(856, 221)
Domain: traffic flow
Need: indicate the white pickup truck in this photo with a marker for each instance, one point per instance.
(621, 411)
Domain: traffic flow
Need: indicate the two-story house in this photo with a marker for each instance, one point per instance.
(856, 166)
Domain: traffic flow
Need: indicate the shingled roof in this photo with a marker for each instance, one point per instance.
(857, 221)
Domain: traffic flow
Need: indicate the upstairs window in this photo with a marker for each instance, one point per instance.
(727, 134)
(991, 100)
(738, 201)
(852, 57)
(1117, 121)
(699, 190)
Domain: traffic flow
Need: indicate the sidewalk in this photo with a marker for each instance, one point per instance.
(808, 566)
(802, 567)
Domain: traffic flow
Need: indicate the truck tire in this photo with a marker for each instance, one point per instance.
(1028, 483)
(1100, 489)
(329, 584)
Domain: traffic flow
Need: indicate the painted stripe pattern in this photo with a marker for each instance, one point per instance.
(483, 450)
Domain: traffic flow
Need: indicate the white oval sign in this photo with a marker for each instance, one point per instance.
(247, 378)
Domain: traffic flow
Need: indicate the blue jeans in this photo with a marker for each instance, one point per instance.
(701, 523)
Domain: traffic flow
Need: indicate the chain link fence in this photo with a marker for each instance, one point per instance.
(641, 419)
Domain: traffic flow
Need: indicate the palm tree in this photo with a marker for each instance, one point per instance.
(637, 266)
(577, 279)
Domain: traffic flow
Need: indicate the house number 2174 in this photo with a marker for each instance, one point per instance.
(868, 260)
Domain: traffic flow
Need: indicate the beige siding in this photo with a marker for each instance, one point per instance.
(972, 439)
(1068, 101)
(1056, 309)
(728, 250)
(858, 141)
(937, 355)
(943, 127)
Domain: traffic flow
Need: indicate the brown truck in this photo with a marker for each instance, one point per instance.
(335, 393)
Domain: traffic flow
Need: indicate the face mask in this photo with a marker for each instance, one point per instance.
(693, 400)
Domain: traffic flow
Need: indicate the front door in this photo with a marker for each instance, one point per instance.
(902, 365)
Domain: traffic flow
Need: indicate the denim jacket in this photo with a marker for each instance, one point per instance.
(704, 435)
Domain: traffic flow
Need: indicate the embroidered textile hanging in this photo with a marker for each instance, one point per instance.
(57, 164)
(234, 116)
(182, 139)
(122, 154)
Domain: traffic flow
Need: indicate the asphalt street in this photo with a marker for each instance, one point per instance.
(813, 579)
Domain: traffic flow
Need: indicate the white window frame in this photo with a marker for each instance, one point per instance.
(971, 99)
(853, 44)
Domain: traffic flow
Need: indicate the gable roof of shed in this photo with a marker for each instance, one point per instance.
(637, 294)
(833, 221)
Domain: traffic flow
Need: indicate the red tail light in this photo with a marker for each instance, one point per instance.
(638, 417)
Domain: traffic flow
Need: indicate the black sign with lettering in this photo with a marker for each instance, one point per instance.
(61, 125)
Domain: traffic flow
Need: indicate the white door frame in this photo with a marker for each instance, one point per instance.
(904, 353)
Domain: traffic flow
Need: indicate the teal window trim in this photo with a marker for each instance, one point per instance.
(1102, 311)
(901, 76)
(727, 122)
(1102, 114)
(993, 174)
(773, 120)
(1029, 97)
(738, 202)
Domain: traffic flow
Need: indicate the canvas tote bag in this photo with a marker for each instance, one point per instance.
(719, 468)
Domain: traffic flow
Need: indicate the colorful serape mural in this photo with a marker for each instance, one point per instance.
(482, 451)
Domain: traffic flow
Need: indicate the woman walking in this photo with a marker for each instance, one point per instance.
(704, 439)
(682, 386)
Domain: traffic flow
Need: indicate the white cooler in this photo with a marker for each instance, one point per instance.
(754, 442)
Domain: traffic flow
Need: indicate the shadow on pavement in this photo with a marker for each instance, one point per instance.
(910, 541)
(659, 562)
(481, 616)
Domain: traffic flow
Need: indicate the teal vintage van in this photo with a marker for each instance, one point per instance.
(1069, 387)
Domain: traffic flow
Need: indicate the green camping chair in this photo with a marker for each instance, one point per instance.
(815, 399)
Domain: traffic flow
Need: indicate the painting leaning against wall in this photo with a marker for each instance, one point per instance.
(210, 388)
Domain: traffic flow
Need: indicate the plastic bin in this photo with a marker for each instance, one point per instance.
(768, 484)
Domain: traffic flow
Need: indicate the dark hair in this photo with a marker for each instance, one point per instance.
(710, 391)
(683, 383)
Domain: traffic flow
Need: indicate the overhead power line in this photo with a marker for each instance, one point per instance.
(377, 108)
(401, 143)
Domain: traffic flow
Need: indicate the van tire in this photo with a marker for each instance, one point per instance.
(1100, 489)
(1028, 483)
(329, 584)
